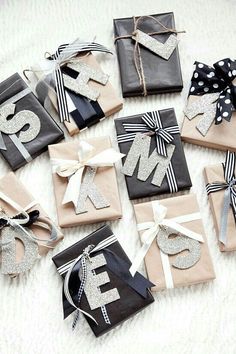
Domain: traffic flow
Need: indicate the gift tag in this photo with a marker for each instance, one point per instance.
(164, 50)
(89, 190)
(205, 105)
(139, 154)
(80, 84)
(178, 244)
(11, 126)
(94, 281)
(9, 235)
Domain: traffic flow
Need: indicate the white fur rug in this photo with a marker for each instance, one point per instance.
(198, 319)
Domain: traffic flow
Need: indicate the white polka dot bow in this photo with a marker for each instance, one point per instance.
(219, 78)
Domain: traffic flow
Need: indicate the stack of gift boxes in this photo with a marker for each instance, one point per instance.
(99, 280)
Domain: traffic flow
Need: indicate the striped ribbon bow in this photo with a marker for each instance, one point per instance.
(152, 125)
(64, 54)
(230, 192)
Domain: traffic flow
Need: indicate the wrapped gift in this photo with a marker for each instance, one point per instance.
(98, 260)
(26, 128)
(84, 176)
(174, 243)
(25, 229)
(155, 161)
(148, 55)
(81, 92)
(220, 179)
(209, 115)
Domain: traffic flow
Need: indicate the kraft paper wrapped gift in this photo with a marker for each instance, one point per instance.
(210, 117)
(160, 75)
(215, 174)
(128, 295)
(176, 175)
(83, 112)
(38, 237)
(160, 270)
(26, 127)
(105, 182)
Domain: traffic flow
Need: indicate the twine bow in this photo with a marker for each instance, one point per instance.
(137, 53)
(73, 169)
(230, 193)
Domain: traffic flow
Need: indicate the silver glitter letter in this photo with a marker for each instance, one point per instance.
(164, 50)
(9, 264)
(18, 121)
(139, 152)
(178, 244)
(89, 190)
(80, 84)
(204, 105)
(92, 290)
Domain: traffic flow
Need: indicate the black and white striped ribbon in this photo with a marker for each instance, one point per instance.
(230, 193)
(101, 245)
(81, 290)
(62, 56)
(152, 123)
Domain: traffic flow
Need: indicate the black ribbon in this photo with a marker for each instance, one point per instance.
(219, 78)
(117, 266)
(33, 216)
(87, 113)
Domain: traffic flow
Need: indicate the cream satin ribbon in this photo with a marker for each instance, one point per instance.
(73, 169)
(151, 230)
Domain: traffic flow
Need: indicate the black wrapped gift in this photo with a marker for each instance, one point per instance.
(155, 157)
(112, 293)
(26, 129)
(160, 75)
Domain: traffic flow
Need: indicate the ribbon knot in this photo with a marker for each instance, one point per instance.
(87, 251)
(151, 125)
(151, 229)
(229, 195)
(220, 78)
(232, 184)
(138, 62)
(73, 169)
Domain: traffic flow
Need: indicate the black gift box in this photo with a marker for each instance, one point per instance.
(142, 189)
(130, 301)
(49, 133)
(161, 75)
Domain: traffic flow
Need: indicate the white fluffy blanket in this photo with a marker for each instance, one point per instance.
(198, 319)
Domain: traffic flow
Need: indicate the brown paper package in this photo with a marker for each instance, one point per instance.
(15, 190)
(105, 180)
(215, 173)
(108, 100)
(220, 137)
(202, 271)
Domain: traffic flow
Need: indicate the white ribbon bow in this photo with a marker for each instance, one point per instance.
(152, 228)
(73, 169)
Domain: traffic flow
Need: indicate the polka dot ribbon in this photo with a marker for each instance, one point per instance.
(219, 78)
